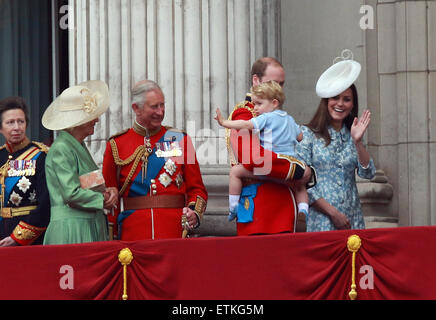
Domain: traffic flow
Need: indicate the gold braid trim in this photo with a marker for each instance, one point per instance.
(117, 159)
(200, 206)
(293, 162)
(41, 146)
(241, 105)
(25, 231)
(24, 234)
(136, 156)
(3, 174)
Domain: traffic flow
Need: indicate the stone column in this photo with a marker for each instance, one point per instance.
(304, 62)
(199, 51)
(406, 66)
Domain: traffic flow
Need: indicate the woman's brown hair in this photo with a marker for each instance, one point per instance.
(11, 103)
(321, 120)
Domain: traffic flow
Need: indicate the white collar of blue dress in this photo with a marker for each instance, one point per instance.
(344, 133)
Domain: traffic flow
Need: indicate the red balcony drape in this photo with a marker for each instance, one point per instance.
(277, 267)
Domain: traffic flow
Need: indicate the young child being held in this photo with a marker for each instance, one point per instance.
(278, 132)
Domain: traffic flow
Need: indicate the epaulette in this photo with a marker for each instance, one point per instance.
(41, 146)
(3, 147)
(169, 128)
(242, 105)
(118, 134)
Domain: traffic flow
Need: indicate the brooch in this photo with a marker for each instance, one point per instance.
(165, 179)
(170, 167)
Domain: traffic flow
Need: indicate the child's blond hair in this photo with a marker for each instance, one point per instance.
(269, 90)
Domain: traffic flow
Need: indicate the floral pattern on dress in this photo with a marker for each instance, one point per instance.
(335, 166)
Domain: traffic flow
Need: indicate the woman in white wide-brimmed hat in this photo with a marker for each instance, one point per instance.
(77, 213)
(333, 144)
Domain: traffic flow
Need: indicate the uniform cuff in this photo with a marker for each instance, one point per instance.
(199, 207)
(25, 234)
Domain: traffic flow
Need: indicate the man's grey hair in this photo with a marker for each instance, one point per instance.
(140, 89)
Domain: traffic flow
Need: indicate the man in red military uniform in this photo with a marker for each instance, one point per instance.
(267, 207)
(156, 171)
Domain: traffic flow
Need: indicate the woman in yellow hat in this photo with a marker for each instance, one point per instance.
(77, 212)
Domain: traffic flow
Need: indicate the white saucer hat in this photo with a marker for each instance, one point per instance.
(77, 105)
(339, 77)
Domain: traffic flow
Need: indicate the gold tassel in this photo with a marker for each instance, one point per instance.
(184, 233)
(3, 174)
(185, 226)
(125, 257)
(353, 245)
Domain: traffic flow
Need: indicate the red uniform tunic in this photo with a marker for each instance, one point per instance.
(274, 203)
(175, 175)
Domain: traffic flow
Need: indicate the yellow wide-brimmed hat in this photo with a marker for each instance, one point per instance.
(77, 105)
(339, 77)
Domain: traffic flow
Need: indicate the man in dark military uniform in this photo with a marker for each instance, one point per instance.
(24, 199)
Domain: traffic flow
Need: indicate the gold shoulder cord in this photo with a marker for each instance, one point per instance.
(3, 173)
(41, 146)
(139, 153)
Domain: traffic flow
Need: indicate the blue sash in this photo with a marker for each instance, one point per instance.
(246, 203)
(154, 166)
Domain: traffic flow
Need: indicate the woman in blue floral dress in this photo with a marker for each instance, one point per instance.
(333, 144)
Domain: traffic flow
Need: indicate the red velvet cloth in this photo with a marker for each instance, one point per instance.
(278, 267)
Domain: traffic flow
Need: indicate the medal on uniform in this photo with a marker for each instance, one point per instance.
(168, 149)
(19, 168)
(179, 180)
(175, 149)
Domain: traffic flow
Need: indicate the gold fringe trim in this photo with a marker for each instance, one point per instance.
(140, 153)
